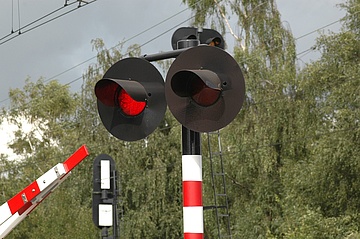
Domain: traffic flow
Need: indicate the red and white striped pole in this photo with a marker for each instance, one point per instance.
(193, 222)
(192, 185)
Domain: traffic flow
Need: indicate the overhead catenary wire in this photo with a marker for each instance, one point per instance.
(113, 47)
(311, 48)
(33, 22)
(318, 29)
(72, 81)
(129, 39)
(19, 15)
(314, 31)
(12, 17)
(126, 54)
(173, 164)
(29, 27)
(79, 78)
(143, 44)
(308, 50)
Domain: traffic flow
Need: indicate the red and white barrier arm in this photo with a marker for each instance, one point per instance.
(18, 207)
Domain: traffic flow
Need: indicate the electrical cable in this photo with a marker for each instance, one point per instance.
(2, 41)
(142, 45)
(29, 24)
(19, 14)
(147, 42)
(141, 172)
(113, 47)
(320, 28)
(79, 78)
(165, 33)
(12, 17)
(131, 38)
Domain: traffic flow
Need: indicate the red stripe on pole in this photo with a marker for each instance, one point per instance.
(192, 193)
(76, 158)
(193, 235)
(24, 196)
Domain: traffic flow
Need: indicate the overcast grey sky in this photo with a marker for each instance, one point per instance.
(61, 44)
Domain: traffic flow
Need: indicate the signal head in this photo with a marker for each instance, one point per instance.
(130, 98)
(206, 36)
(204, 88)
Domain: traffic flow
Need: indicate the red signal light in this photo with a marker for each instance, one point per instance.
(202, 94)
(111, 94)
(131, 99)
(128, 105)
(202, 86)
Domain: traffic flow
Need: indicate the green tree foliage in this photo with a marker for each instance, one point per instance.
(149, 170)
(291, 155)
(329, 89)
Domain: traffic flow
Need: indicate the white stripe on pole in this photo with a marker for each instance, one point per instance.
(193, 215)
(191, 168)
(193, 220)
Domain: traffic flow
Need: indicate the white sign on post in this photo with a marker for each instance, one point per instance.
(105, 174)
(105, 215)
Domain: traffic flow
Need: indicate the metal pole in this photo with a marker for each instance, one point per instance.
(105, 196)
(193, 217)
(192, 185)
(163, 55)
(115, 215)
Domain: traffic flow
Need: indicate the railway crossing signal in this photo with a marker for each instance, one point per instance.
(203, 36)
(130, 98)
(204, 88)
